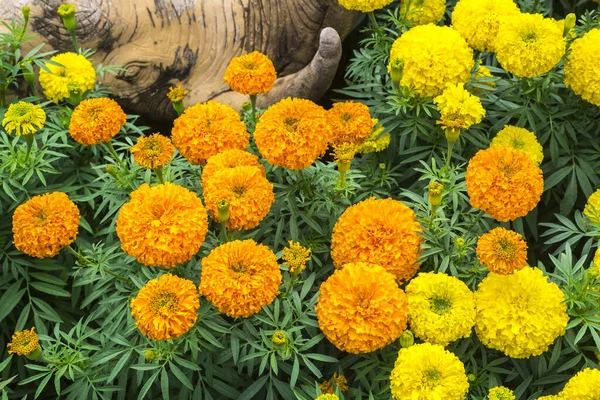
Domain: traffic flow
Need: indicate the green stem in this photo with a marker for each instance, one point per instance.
(342, 180)
(375, 23)
(450, 146)
(88, 262)
(159, 174)
(74, 37)
(113, 153)
(306, 185)
(2, 96)
(224, 231)
(29, 139)
(253, 109)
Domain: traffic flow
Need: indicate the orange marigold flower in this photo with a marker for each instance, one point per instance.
(349, 122)
(249, 193)
(163, 225)
(295, 257)
(502, 251)
(504, 183)
(177, 94)
(166, 307)
(96, 121)
(292, 133)
(206, 129)
(251, 74)
(381, 231)
(24, 342)
(240, 278)
(153, 151)
(361, 308)
(45, 224)
(229, 159)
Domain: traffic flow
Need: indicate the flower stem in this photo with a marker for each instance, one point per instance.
(159, 174)
(224, 231)
(74, 37)
(29, 139)
(450, 146)
(88, 262)
(375, 23)
(253, 109)
(113, 153)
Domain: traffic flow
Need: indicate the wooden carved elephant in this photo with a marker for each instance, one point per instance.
(162, 43)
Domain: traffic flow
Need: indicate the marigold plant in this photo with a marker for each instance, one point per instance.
(23, 118)
(69, 73)
(251, 74)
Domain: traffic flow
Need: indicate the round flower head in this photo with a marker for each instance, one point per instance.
(582, 67)
(166, 307)
(520, 139)
(163, 225)
(240, 278)
(504, 183)
(249, 193)
(502, 251)
(206, 129)
(459, 109)
(441, 308)
(501, 393)
(433, 56)
(364, 5)
(153, 151)
(251, 74)
(75, 73)
(292, 133)
(361, 308)
(45, 224)
(478, 20)
(592, 207)
(24, 342)
(23, 118)
(520, 314)
(226, 160)
(327, 396)
(529, 45)
(350, 122)
(583, 386)
(177, 94)
(423, 12)
(96, 121)
(295, 257)
(376, 141)
(384, 232)
(427, 371)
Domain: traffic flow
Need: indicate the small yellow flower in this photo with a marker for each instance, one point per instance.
(435, 193)
(459, 109)
(520, 139)
(177, 94)
(74, 69)
(344, 152)
(66, 10)
(279, 338)
(24, 342)
(375, 142)
(295, 257)
(364, 5)
(24, 118)
(327, 396)
(501, 393)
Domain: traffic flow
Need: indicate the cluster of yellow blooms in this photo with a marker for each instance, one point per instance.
(423, 12)
(520, 139)
(501, 393)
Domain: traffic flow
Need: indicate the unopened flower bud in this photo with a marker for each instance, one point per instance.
(382, 166)
(435, 193)
(471, 377)
(279, 339)
(112, 171)
(396, 72)
(452, 134)
(460, 242)
(25, 11)
(570, 21)
(407, 339)
(67, 13)
(150, 355)
(223, 211)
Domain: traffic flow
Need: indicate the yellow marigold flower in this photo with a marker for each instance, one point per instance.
(249, 193)
(551, 397)
(478, 21)
(292, 133)
(379, 231)
(583, 386)
(592, 207)
(96, 121)
(597, 258)
(75, 69)
(24, 342)
(375, 142)
(433, 56)
(45, 224)
(520, 314)
(163, 225)
(344, 152)
(361, 308)
(229, 159)
(423, 12)
(327, 396)
(206, 129)
(364, 6)
(459, 108)
(177, 94)
(520, 139)
(295, 257)
(441, 308)
(504, 183)
(240, 278)
(501, 393)
(23, 118)
(166, 307)
(279, 338)
(435, 193)
(427, 371)
(340, 381)
(502, 251)
(153, 151)
(251, 74)
(349, 122)
(582, 67)
(529, 45)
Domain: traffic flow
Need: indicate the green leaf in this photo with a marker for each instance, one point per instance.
(180, 376)
(253, 389)
(50, 289)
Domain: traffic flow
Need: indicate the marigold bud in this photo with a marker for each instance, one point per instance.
(435, 193)
(407, 339)
(279, 339)
(67, 13)
(570, 21)
(25, 10)
(452, 134)
(471, 377)
(460, 242)
(223, 211)
(150, 355)
(396, 72)
(382, 166)
(111, 170)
